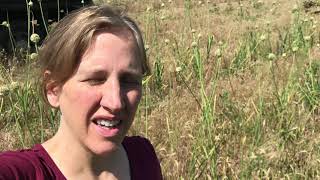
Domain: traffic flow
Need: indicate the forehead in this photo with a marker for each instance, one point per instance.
(113, 48)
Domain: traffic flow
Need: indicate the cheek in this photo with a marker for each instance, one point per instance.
(134, 97)
(81, 97)
(89, 96)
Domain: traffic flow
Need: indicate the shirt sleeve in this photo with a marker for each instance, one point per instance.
(144, 163)
(7, 171)
(153, 160)
(14, 166)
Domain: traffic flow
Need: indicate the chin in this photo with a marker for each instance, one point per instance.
(105, 148)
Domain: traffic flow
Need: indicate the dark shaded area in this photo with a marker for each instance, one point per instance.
(311, 6)
(15, 12)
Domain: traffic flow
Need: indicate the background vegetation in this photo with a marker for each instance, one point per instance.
(234, 92)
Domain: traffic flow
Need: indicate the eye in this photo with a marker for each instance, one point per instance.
(132, 81)
(95, 81)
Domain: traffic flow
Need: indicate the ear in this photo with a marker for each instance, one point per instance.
(52, 90)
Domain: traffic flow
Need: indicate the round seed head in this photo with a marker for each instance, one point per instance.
(35, 38)
(5, 23)
(30, 3)
(178, 69)
(162, 4)
(295, 8)
(253, 156)
(307, 38)
(218, 53)
(167, 41)
(33, 56)
(271, 56)
(263, 37)
(146, 47)
(194, 44)
(217, 138)
(295, 49)
(14, 85)
(4, 89)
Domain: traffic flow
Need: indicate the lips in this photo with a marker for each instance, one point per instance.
(107, 123)
(107, 126)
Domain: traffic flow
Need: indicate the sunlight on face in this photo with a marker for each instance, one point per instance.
(99, 101)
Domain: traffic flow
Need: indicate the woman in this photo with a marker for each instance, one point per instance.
(92, 64)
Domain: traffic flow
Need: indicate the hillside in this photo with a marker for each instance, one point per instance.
(234, 91)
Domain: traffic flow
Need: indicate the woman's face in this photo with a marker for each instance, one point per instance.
(99, 101)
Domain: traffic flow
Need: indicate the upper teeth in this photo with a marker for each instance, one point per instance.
(108, 123)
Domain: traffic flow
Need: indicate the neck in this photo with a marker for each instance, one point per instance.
(64, 148)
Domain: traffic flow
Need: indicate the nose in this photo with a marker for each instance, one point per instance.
(112, 97)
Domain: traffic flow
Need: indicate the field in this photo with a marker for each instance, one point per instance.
(234, 91)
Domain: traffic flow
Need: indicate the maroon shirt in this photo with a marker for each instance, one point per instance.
(36, 164)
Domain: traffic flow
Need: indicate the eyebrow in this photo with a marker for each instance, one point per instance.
(101, 71)
(92, 71)
(132, 72)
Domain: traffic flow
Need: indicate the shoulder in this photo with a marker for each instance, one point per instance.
(16, 164)
(138, 143)
(21, 164)
(142, 157)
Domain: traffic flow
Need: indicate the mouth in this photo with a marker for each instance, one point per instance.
(108, 128)
(110, 124)
(107, 124)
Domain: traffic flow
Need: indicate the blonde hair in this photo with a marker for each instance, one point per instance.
(63, 48)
